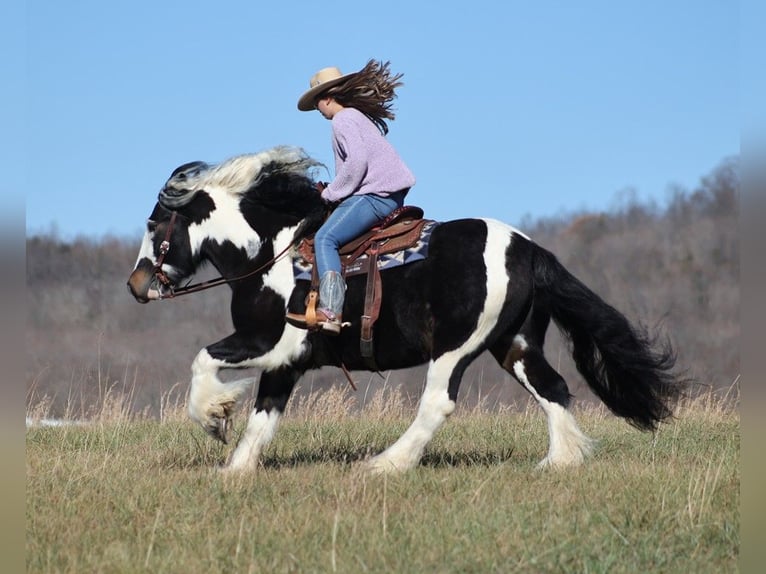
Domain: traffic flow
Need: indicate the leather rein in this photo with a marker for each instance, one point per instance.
(173, 292)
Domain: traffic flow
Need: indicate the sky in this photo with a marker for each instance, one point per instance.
(509, 109)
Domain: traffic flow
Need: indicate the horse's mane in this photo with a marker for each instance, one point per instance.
(280, 179)
(284, 183)
(243, 173)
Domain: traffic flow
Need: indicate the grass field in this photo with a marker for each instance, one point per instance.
(125, 493)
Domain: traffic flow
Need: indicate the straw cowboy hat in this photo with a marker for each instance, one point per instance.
(323, 80)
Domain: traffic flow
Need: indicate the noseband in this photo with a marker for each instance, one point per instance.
(165, 281)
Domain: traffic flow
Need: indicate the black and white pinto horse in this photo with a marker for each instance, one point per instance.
(483, 286)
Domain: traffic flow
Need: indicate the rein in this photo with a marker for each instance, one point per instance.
(173, 292)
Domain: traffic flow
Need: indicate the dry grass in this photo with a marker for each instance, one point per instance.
(130, 493)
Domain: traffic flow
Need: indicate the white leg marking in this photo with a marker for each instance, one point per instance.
(208, 397)
(435, 404)
(568, 445)
(521, 342)
(260, 430)
(435, 407)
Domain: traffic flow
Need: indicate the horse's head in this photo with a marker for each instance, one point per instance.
(166, 257)
(237, 205)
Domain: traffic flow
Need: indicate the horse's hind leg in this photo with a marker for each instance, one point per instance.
(522, 356)
(436, 404)
(464, 318)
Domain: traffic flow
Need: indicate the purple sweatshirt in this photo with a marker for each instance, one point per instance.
(364, 160)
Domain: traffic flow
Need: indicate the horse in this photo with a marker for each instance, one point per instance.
(483, 286)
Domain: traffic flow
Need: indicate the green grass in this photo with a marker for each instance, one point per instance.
(129, 494)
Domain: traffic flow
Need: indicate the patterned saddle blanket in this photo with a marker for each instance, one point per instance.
(404, 240)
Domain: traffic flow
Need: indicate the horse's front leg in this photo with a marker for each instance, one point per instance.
(273, 393)
(211, 401)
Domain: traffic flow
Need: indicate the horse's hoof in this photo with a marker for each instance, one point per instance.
(558, 464)
(227, 470)
(379, 466)
(220, 428)
(220, 425)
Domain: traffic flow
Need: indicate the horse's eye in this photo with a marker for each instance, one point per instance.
(151, 225)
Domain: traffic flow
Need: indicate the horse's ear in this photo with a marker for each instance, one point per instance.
(188, 170)
(311, 223)
(176, 192)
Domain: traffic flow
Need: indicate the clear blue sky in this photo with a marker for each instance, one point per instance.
(509, 108)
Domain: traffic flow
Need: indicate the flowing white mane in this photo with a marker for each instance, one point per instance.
(234, 176)
(241, 172)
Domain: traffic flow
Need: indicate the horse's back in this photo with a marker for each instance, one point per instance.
(473, 265)
(474, 247)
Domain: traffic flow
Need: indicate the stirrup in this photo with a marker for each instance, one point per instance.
(330, 324)
(297, 320)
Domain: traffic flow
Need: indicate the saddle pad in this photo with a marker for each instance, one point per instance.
(418, 252)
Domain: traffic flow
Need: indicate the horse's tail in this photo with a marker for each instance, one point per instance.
(626, 367)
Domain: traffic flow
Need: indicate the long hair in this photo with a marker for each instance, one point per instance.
(371, 91)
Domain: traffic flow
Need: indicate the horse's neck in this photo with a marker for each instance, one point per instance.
(270, 256)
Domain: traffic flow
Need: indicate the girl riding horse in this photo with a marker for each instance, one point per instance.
(371, 180)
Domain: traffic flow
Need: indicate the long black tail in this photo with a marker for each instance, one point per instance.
(629, 369)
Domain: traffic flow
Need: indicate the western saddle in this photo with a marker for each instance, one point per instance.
(400, 230)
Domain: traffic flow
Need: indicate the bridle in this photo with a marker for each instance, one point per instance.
(172, 292)
(164, 248)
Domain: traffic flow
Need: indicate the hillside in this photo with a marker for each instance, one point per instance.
(676, 267)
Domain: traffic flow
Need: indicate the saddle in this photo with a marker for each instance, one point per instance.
(400, 230)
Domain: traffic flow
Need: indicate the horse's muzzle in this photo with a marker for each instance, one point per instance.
(140, 284)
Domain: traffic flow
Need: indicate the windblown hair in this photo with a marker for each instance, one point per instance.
(371, 91)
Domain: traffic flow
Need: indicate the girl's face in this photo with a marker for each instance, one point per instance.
(328, 107)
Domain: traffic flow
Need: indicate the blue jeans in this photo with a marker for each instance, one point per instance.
(353, 216)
